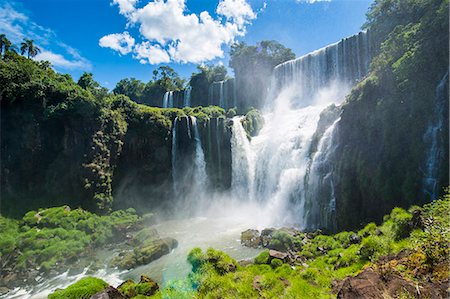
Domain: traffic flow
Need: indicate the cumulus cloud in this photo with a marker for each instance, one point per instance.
(170, 33)
(153, 54)
(121, 42)
(17, 25)
(238, 11)
(125, 6)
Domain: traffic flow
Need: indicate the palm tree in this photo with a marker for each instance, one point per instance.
(28, 46)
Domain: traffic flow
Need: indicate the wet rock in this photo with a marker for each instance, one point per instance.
(245, 262)
(355, 239)
(109, 293)
(151, 250)
(266, 236)
(251, 238)
(4, 291)
(278, 255)
(145, 235)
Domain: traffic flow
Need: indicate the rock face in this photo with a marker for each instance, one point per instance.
(370, 284)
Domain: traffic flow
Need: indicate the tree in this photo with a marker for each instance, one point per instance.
(87, 81)
(168, 78)
(130, 87)
(253, 67)
(28, 46)
(6, 45)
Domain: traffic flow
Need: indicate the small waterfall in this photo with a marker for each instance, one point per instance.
(187, 96)
(168, 99)
(200, 177)
(320, 198)
(175, 175)
(432, 137)
(221, 95)
(242, 162)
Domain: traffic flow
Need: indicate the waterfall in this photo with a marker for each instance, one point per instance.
(200, 177)
(221, 95)
(432, 138)
(165, 100)
(187, 96)
(319, 196)
(242, 179)
(342, 63)
(168, 99)
(175, 175)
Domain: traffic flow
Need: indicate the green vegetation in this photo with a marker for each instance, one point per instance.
(82, 289)
(253, 122)
(381, 163)
(73, 143)
(56, 237)
(151, 93)
(144, 288)
(253, 67)
(420, 233)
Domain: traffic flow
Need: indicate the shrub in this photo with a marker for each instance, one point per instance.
(83, 289)
(372, 247)
(262, 258)
(401, 223)
(275, 263)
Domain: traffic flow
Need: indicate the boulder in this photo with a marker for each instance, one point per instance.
(266, 236)
(109, 293)
(278, 255)
(251, 238)
(145, 287)
(151, 250)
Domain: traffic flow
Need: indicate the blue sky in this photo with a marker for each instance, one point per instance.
(115, 39)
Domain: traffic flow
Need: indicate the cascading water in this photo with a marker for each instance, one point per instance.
(432, 137)
(286, 176)
(319, 181)
(187, 96)
(276, 169)
(344, 62)
(242, 179)
(168, 99)
(200, 177)
(221, 95)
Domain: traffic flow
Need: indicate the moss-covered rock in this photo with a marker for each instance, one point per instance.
(145, 287)
(82, 289)
(150, 250)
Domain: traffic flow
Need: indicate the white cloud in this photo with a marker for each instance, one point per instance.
(238, 11)
(17, 26)
(153, 54)
(125, 6)
(58, 60)
(171, 33)
(121, 42)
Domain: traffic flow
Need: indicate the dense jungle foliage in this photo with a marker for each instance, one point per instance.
(382, 163)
